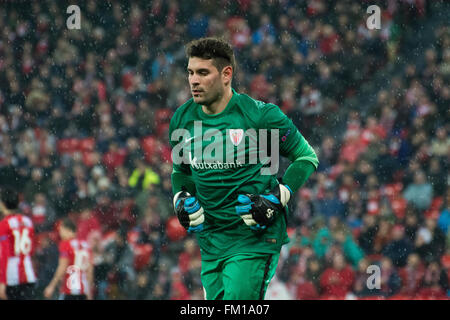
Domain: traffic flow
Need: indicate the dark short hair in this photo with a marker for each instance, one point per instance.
(10, 198)
(217, 49)
(69, 224)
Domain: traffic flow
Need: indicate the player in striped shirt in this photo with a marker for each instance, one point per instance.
(17, 275)
(75, 267)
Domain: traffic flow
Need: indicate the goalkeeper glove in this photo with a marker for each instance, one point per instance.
(259, 210)
(189, 211)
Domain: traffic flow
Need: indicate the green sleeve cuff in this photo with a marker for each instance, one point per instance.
(297, 174)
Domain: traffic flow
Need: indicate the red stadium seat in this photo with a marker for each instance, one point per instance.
(400, 297)
(133, 237)
(374, 257)
(108, 237)
(393, 190)
(330, 297)
(127, 80)
(290, 232)
(174, 229)
(372, 298)
(162, 128)
(163, 115)
(149, 146)
(356, 232)
(142, 255)
(373, 206)
(68, 145)
(399, 205)
(87, 144)
(434, 209)
(445, 261)
(88, 158)
(307, 291)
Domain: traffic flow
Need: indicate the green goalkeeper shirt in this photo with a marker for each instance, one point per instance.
(223, 155)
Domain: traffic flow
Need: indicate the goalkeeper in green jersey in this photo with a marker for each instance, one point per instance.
(225, 149)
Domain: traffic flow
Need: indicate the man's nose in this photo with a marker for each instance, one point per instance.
(194, 79)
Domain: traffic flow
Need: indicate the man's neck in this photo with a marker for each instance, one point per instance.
(220, 105)
(8, 213)
(71, 237)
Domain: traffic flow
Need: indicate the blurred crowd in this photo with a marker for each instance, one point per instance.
(83, 134)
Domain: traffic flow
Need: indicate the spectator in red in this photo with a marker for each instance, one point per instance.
(372, 131)
(412, 275)
(309, 289)
(352, 149)
(189, 264)
(435, 282)
(88, 226)
(259, 87)
(106, 212)
(189, 258)
(179, 290)
(337, 280)
(115, 157)
(329, 41)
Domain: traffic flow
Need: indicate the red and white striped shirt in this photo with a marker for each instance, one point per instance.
(79, 254)
(16, 248)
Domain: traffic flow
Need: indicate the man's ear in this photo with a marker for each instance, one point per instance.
(227, 74)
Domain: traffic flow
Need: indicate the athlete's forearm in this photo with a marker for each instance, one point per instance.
(60, 271)
(304, 163)
(297, 174)
(3, 260)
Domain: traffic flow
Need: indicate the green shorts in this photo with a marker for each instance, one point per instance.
(243, 276)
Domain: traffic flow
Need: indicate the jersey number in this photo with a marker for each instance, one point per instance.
(22, 242)
(81, 263)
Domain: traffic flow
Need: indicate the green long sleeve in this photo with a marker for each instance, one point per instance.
(304, 163)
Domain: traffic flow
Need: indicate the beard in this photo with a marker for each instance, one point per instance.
(207, 98)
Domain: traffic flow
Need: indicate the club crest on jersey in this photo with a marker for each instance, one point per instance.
(236, 136)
